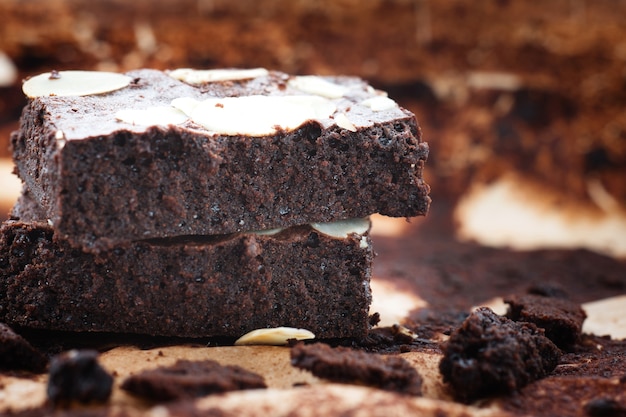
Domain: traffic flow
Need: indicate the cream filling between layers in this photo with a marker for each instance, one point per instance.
(340, 229)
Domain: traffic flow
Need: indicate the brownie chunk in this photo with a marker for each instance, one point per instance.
(206, 286)
(491, 355)
(341, 364)
(17, 354)
(561, 319)
(190, 379)
(103, 181)
(77, 376)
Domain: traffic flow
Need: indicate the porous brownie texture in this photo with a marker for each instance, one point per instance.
(190, 379)
(102, 181)
(493, 355)
(346, 365)
(561, 319)
(206, 286)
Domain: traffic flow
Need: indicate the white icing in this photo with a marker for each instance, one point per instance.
(255, 115)
(152, 116)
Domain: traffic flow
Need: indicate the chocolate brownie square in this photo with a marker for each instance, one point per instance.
(152, 154)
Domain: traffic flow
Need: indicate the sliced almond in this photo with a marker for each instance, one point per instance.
(343, 122)
(193, 76)
(275, 336)
(313, 84)
(185, 104)
(380, 103)
(152, 116)
(74, 83)
(267, 232)
(341, 229)
(8, 71)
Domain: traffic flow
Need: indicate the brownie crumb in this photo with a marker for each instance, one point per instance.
(190, 379)
(17, 354)
(76, 376)
(374, 319)
(346, 365)
(492, 355)
(605, 407)
(548, 289)
(561, 319)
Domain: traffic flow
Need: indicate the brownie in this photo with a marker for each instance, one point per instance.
(76, 376)
(346, 365)
(491, 355)
(102, 181)
(561, 319)
(190, 379)
(202, 286)
(17, 354)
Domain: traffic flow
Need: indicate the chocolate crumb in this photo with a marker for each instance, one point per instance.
(604, 407)
(492, 355)
(191, 379)
(561, 319)
(77, 376)
(346, 365)
(374, 319)
(548, 289)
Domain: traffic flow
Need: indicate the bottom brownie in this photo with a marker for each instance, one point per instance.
(190, 287)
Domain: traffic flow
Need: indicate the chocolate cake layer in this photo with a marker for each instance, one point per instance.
(206, 286)
(102, 181)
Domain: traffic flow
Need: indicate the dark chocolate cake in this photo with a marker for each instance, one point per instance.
(155, 159)
(224, 285)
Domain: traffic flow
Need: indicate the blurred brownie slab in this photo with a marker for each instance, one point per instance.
(202, 286)
(201, 153)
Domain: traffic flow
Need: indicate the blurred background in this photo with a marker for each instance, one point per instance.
(522, 104)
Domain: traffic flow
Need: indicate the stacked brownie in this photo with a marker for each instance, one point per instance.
(203, 203)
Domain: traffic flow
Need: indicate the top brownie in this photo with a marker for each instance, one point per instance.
(148, 154)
